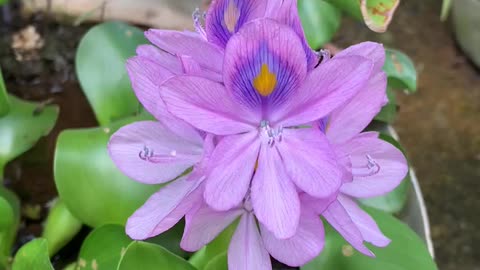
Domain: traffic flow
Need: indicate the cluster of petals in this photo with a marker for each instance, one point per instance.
(252, 125)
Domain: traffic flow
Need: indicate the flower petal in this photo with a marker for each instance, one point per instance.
(367, 226)
(310, 162)
(207, 105)
(161, 57)
(325, 89)
(151, 153)
(274, 197)
(339, 218)
(350, 119)
(264, 64)
(204, 224)
(370, 50)
(246, 250)
(377, 167)
(230, 171)
(299, 249)
(164, 209)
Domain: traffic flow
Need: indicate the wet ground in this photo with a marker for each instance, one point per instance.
(439, 125)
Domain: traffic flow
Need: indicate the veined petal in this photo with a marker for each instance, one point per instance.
(246, 250)
(377, 167)
(207, 105)
(367, 226)
(231, 169)
(192, 67)
(161, 57)
(274, 197)
(299, 249)
(325, 89)
(353, 117)
(164, 209)
(204, 224)
(264, 64)
(370, 50)
(151, 153)
(310, 162)
(226, 17)
(339, 218)
(317, 205)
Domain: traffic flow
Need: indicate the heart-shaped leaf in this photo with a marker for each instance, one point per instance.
(33, 255)
(89, 183)
(400, 70)
(100, 67)
(406, 251)
(103, 248)
(320, 21)
(61, 226)
(4, 101)
(21, 128)
(148, 256)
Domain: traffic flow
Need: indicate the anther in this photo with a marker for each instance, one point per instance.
(198, 16)
(370, 169)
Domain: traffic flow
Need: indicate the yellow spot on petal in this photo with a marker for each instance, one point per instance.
(265, 82)
(231, 16)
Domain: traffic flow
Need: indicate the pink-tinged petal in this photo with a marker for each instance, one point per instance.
(230, 170)
(317, 205)
(146, 77)
(246, 250)
(310, 161)
(192, 67)
(226, 17)
(264, 64)
(151, 153)
(274, 197)
(164, 208)
(207, 105)
(208, 55)
(367, 226)
(325, 89)
(204, 224)
(299, 249)
(353, 117)
(371, 50)
(161, 57)
(377, 167)
(339, 218)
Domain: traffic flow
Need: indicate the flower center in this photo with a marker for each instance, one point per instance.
(271, 135)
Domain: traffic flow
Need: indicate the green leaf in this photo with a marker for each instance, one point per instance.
(320, 21)
(4, 101)
(220, 262)
(351, 7)
(400, 70)
(21, 128)
(61, 226)
(389, 111)
(100, 67)
(171, 239)
(406, 251)
(103, 248)
(89, 183)
(446, 7)
(8, 232)
(33, 255)
(149, 256)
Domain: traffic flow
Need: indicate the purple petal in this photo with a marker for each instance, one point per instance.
(164, 209)
(350, 119)
(377, 167)
(317, 205)
(207, 105)
(151, 153)
(310, 162)
(367, 226)
(264, 64)
(161, 57)
(299, 249)
(370, 50)
(325, 89)
(231, 168)
(192, 67)
(246, 250)
(339, 218)
(204, 224)
(274, 197)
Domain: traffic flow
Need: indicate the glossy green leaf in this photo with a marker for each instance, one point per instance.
(406, 251)
(400, 70)
(61, 226)
(33, 255)
(4, 100)
(148, 256)
(10, 205)
(21, 128)
(89, 183)
(220, 262)
(171, 239)
(320, 21)
(100, 67)
(103, 248)
(389, 111)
